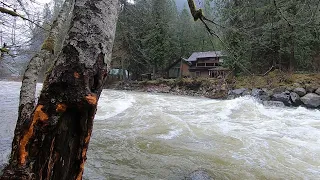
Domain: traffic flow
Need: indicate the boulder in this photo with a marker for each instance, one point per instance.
(295, 98)
(283, 97)
(300, 91)
(238, 92)
(273, 103)
(269, 92)
(231, 97)
(257, 92)
(247, 92)
(264, 97)
(318, 91)
(310, 88)
(260, 94)
(199, 175)
(311, 100)
(279, 90)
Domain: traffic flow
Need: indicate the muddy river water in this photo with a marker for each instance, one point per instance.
(157, 136)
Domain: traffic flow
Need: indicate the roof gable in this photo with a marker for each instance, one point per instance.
(208, 54)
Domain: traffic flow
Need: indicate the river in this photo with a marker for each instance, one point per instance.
(157, 136)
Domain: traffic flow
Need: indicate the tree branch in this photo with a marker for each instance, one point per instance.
(281, 14)
(196, 14)
(15, 14)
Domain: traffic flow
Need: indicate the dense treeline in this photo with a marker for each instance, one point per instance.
(275, 33)
(256, 35)
(152, 34)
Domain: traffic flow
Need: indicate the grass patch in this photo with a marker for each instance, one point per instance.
(277, 79)
(272, 80)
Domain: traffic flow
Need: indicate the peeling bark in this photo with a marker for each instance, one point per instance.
(52, 142)
(28, 88)
(29, 82)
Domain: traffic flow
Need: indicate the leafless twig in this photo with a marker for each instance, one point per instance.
(15, 14)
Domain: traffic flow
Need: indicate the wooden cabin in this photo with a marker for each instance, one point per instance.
(207, 64)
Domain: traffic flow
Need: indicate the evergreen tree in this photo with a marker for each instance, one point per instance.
(276, 33)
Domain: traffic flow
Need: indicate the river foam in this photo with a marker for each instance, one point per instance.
(158, 136)
(234, 139)
(109, 107)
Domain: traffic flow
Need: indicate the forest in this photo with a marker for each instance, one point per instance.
(256, 35)
(72, 45)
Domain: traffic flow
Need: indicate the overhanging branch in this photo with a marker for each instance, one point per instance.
(15, 14)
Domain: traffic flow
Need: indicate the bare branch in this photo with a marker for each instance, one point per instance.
(281, 14)
(196, 14)
(10, 12)
(23, 8)
(15, 14)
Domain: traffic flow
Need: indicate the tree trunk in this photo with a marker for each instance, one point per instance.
(29, 82)
(292, 58)
(124, 75)
(154, 71)
(53, 141)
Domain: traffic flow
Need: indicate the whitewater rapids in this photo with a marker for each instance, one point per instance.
(158, 136)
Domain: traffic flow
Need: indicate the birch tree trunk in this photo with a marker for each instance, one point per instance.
(52, 142)
(45, 55)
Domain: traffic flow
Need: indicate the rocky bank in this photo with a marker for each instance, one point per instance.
(293, 94)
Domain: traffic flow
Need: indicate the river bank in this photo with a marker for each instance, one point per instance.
(275, 89)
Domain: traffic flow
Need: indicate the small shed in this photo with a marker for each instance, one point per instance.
(179, 68)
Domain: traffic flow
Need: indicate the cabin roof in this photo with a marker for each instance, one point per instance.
(208, 54)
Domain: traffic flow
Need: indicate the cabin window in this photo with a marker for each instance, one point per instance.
(198, 73)
(201, 64)
(211, 64)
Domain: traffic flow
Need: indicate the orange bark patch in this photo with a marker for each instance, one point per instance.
(76, 75)
(86, 140)
(83, 155)
(91, 99)
(79, 177)
(38, 115)
(61, 108)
